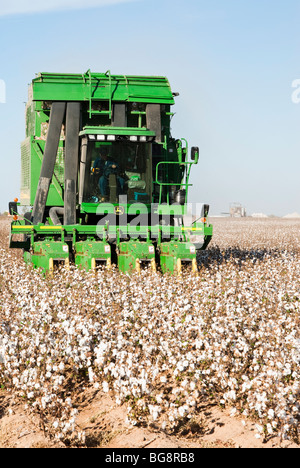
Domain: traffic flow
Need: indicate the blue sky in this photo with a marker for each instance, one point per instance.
(233, 63)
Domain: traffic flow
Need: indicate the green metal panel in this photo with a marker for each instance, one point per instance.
(126, 131)
(31, 160)
(46, 254)
(173, 253)
(30, 117)
(101, 86)
(25, 192)
(19, 227)
(89, 253)
(132, 253)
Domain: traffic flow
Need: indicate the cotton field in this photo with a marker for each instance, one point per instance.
(162, 345)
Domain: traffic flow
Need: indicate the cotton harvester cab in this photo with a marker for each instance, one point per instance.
(102, 177)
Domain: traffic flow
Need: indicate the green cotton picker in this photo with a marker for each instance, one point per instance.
(103, 182)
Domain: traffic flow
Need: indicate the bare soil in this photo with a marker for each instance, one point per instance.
(104, 424)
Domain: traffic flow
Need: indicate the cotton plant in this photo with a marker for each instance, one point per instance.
(160, 344)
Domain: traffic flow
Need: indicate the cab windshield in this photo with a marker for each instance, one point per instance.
(118, 169)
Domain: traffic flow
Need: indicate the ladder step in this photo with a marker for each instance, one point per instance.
(100, 112)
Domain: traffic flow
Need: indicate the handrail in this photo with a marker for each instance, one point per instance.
(110, 94)
(90, 92)
(162, 184)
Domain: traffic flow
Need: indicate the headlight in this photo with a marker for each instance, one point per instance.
(133, 138)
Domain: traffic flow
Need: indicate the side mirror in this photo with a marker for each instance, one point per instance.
(13, 208)
(204, 211)
(195, 154)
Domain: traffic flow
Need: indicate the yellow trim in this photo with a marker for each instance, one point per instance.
(23, 227)
(59, 228)
(191, 229)
(194, 266)
(153, 264)
(51, 267)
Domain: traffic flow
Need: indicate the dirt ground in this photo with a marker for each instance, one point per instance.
(104, 425)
